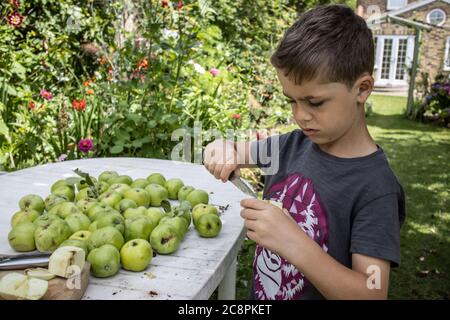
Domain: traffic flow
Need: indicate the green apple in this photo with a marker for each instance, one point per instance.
(138, 228)
(121, 179)
(125, 204)
(97, 208)
(76, 243)
(179, 223)
(155, 214)
(165, 239)
(77, 222)
(45, 219)
(65, 191)
(106, 175)
(115, 220)
(208, 225)
(119, 187)
(65, 209)
(24, 216)
(85, 204)
(136, 255)
(138, 195)
(21, 237)
(197, 196)
(184, 191)
(81, 235)
(92, 227)
(132, 213)
(54, 199)
(157, 194)
(102, 187)
(32, 202)
(202, 209)
(183, 210)
(140, 183)
(173, 186)
(82, 184)
(60, 183)
(105, 261)
(111, 198)
(48, 237)
(84, 194)
(157, 178)
(106, 235)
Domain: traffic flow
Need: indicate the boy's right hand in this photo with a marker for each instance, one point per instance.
(221, 159)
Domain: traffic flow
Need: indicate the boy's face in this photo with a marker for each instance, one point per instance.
(325, 112)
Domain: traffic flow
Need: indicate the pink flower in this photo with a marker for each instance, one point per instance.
(47, 95)
(15, 19)
(85, 145)
(15, 3)
(236, 116)
(215, 72)
(62, 157)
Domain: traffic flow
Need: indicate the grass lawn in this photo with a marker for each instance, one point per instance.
(420, 156)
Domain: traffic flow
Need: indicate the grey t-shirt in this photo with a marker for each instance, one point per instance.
(347, 205)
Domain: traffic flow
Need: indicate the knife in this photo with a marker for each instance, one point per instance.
(26, 260)
(242, 185)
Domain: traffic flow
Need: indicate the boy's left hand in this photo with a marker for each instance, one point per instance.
(269, 226)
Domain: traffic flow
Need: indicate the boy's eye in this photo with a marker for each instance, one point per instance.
(315, 104)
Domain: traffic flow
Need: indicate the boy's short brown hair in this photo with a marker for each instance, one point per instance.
(330, 42)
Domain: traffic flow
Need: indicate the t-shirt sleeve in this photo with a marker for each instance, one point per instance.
(266, 152)
(376, 229)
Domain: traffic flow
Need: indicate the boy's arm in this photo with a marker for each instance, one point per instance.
(222, 157)
(277, 231)
(368, 278)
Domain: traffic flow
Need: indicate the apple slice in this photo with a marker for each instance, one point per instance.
(39, 273)
(16, 286)
(63, 260)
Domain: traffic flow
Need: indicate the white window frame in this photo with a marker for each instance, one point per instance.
(391, 6)
(447, 55)
(437, 9)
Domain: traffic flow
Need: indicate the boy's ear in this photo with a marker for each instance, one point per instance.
(364, 86)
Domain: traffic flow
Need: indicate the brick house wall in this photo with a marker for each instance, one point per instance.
(432, 50)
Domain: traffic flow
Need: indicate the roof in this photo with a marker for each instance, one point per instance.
(375, 19)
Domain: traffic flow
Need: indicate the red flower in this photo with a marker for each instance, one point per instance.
(143, 64)
(165, 3)
(85, 145)
(87, 83)
(31, 105)
(180, 5)
(15, 19)
(47, 95)
(89, 91)
(236, 116)
(79, 105)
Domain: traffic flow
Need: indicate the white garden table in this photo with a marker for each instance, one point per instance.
(193, 272)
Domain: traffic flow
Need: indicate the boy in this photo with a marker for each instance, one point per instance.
(338, 232)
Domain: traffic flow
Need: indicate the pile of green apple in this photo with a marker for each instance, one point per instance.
(116, 220)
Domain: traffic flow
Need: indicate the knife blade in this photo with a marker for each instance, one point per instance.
(242, 185)
(20, 261)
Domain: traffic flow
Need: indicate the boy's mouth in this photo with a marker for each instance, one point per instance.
(309, 132)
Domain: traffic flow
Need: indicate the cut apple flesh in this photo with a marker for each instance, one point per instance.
(16, 286)
(64, 260)
(39, 273)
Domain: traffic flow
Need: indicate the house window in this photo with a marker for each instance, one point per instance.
(436, 17)
(401, 59)
(396, 4)
(386, 62)
(447, 55)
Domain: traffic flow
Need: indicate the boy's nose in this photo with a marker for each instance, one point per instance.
(300, 114)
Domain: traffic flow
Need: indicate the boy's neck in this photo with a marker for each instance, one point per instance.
(354, 143)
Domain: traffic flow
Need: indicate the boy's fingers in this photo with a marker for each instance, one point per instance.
(249, 214)
(250, 224)
(254, 204)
